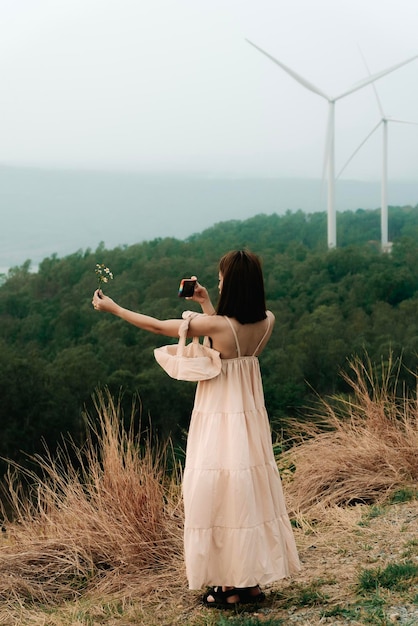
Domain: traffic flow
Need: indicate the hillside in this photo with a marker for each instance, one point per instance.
(55, 350)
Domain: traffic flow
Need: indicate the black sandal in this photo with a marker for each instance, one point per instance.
(220, 598)
(246, 597)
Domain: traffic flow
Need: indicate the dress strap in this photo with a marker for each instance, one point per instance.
(263, 337)
(235, 334)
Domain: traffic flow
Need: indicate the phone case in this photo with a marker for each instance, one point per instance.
(186, 289)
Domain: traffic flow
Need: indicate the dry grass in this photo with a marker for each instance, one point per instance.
(99, 540)
(360, 450)
(104, 519)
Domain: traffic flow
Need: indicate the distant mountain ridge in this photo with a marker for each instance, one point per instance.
(61, 211)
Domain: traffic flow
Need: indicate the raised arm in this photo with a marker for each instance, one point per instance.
(170, 328)
(200, 326)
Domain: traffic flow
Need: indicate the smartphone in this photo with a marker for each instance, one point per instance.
(186, 289)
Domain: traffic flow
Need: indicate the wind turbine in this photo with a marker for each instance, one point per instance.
(330, 141)
(384, 121)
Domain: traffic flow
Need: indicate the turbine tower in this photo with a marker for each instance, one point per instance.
(329, 161)
(384, 121)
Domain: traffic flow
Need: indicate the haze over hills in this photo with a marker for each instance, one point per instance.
(61, 211)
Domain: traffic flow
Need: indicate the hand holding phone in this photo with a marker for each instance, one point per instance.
(186, 289)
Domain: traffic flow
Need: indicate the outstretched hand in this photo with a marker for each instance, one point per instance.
(103, 303)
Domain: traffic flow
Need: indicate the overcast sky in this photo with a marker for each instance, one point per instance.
(173, 85)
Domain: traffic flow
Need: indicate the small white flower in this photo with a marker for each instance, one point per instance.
(103, 273)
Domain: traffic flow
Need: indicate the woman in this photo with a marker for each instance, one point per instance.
(237, 533)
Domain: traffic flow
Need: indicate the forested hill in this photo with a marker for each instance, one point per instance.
(55, 350)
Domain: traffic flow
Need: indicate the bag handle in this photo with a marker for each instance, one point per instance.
(183, 328)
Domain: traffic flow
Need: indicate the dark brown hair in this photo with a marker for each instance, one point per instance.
(242, 295)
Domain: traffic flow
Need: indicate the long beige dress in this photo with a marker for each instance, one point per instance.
(237, 530)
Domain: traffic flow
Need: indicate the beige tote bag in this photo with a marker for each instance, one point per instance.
(193, 361)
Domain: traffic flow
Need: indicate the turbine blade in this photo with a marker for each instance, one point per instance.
(370, 79)
(358, 148)
(379, 103)
(291, 72)
(391, 119)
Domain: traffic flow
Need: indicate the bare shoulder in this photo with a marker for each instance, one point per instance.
(271, 317)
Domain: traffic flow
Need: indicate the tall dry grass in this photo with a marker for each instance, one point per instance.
(356, 450)
(107, 519)
(103, 519)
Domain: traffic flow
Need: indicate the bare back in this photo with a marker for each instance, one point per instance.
(234, 339)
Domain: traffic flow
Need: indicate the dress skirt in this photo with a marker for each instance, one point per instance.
(237, 531)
